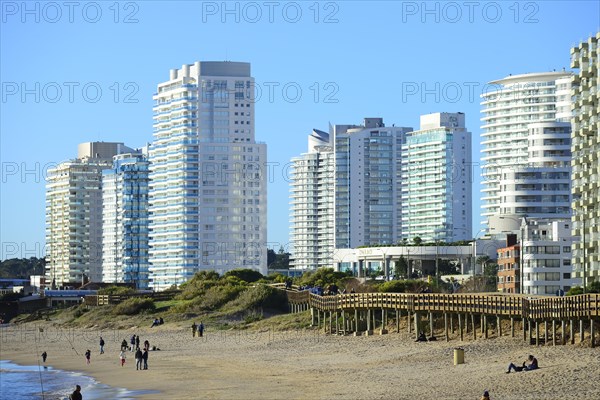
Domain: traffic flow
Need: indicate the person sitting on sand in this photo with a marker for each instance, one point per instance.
(486, 395)
(124, 345)
(421, 337)
(529, 365)
(155, 323)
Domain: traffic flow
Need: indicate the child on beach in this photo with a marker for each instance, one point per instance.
(122, 357)
(88, 356)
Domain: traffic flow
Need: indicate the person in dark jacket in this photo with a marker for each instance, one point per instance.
(145, 358)
(138, 359)
(76, 395)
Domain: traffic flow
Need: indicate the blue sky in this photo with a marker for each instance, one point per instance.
(86, 71)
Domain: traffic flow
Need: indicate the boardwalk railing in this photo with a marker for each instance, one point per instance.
(534, 308)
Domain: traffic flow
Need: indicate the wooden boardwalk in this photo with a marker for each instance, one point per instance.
(541, 318)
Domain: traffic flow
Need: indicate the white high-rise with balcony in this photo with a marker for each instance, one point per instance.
(511, 110)
(367, 188)
(74, 214)
(436, 180)
(312, 193)
(207, 181)
(125, 220)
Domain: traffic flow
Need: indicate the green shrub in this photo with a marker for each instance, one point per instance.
(134, 305)
(324, 277)
(393, 287)
(575, 291)
(217, 296)
(260, 296)
(118, 290)
(246, 275)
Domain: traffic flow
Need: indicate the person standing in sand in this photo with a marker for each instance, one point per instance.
(101, 345)
(145, 358)
(44, 355)
(88, 356)
(200, 329)
(194, 329)
(138, 359)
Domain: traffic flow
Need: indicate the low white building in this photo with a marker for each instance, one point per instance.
(364, 259)
(547, 257)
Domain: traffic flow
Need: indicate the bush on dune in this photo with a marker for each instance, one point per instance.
(134, 306)
(260, 296)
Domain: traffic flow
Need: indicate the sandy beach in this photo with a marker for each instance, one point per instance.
(311, 365)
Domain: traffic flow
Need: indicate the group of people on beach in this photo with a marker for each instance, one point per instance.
(199, 329)
(141, 355)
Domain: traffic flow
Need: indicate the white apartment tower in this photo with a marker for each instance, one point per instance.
(312, 194)
(367, 188)
(74, 214)
(436, 180)
(125, 220)
(585, 57)
(512, 113)
(207, 182)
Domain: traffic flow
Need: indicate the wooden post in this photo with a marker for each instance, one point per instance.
(408, 318)
(318, 319)
(337, 323)
(482, 321)
(312, 316)
(553, 333)
(430, 324)
(572, 331)
(330, 322)
(563, 331)
(499, 327)
(356, 321)
(417, 323)
(473, 326)
(368, 322)
(530, 330)
(581, 333)
(451, 323)
(485, 323)
(512, 326)
(446, 326)
(537, 333)
(545, 333)
(398, 315)
(524, 330)
(460, 327)
(592, 333)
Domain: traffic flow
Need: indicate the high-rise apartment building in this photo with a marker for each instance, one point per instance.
(74, 214)
(312, 193)
(125, 220)
(436, 180)
(367, 185)
(586, 158)
(207, 178)
(511, 111)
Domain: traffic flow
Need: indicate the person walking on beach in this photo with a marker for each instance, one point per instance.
(122, 357)
(138, 359)
(101, 345)
(132, 342)
(76, 395)
(200, 329)
(88, 356)
(193, 329)
(137, 342)
(44, 355)
(145, 358)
